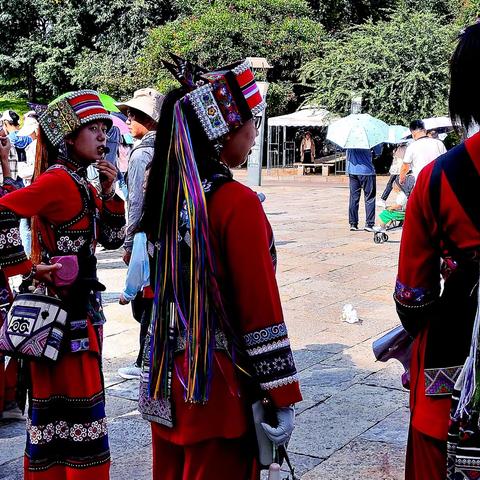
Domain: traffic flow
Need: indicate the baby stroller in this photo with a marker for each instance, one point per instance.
(395, 223)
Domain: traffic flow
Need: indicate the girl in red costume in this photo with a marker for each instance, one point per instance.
(66, 426)
(441, 237)
(8, 369)
(217, 311)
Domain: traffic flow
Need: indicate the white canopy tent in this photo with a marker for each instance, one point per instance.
(305, 117)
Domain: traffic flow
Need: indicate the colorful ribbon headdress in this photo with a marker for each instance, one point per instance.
(223, 99)
(187, 297)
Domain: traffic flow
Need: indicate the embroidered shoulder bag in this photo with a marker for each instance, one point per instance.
(34, 327)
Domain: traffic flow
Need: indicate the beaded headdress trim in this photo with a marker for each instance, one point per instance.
(223, 99)
(69, 112)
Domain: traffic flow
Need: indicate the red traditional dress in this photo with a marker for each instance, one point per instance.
(441, 235)
(66, 427)
(12, 261)
(220, 431)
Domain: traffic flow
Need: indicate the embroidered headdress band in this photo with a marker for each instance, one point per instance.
(223, 99)
(69, 112)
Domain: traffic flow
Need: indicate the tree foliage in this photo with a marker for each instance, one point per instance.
(468, 12)
(41, 42)
(337, 15)
(112, 64)
(218, 33)
(52, 46)
(398, 66)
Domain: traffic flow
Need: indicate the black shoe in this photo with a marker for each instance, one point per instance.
(369, 228)
(354, 228)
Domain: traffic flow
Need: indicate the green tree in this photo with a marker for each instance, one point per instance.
(449, 9)
(41, 42)
(337, 15)
(399, 67)
(468, 12)
(216, 33)
(122, 30)
(51, 46)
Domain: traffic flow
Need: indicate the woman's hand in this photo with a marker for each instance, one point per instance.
(108, 175)
(122, 300)
(44, 272)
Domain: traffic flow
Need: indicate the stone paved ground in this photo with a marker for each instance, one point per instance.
(353, 420)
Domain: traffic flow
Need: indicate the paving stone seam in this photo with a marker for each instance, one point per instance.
(355, 295)
(398, 389)
(373, 426)
(357, 437)
(117, 382)
(316, 405)
(119, 333)
(311, 456)
(119, 396)
(283, 285)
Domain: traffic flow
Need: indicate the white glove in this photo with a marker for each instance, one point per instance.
(286, 423)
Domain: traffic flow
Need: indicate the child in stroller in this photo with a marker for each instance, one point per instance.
(392, 217)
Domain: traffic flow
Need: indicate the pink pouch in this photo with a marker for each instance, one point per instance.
(66, 275)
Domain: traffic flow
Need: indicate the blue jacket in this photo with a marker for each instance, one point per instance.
(359, 162)
(19, 142)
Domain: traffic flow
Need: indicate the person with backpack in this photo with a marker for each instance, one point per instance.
(441, 238)
(143, 112)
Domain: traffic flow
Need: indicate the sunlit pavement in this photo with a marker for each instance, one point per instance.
(353, 420)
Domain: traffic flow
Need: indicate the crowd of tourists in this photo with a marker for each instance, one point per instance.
(217, 377)
(409, 158)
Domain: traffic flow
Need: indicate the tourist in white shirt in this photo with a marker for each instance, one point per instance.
(421, 152)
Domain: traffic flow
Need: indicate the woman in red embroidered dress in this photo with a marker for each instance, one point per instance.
(66, 427)
(441, 236)
(217, 309)
(8, 368)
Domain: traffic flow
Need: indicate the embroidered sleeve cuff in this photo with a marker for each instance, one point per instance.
(272, 359)
(11, 249)
(286, 395)
(411, 297)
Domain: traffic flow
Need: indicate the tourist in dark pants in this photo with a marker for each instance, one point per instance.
(361, 173)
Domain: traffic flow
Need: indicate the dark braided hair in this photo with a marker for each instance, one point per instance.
(206, 157)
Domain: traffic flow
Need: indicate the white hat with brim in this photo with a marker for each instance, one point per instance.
(30, 125)
(146, 100)
(6, 116)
